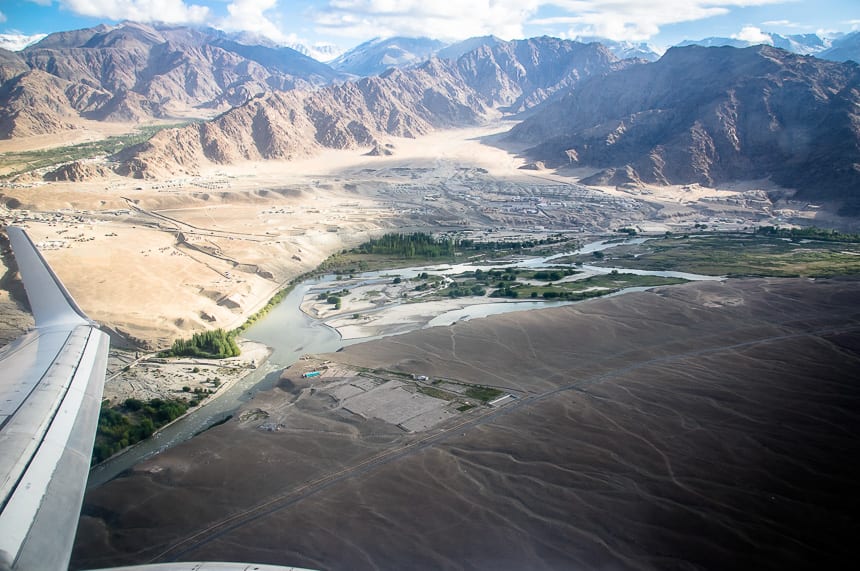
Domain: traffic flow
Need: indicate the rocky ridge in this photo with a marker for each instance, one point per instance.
(400, 102)
(140, 72)
(291, 124)
(712, 115)
(522, 74)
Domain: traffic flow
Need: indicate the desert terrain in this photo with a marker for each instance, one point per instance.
(709, 425)
(154, 260)
(159, 259)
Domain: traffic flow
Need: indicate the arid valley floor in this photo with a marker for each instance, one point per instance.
(710, 425)
(166, 257)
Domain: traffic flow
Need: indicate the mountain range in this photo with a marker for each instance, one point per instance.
(374, 56)
(377, 55)
(136, 72)
(409, 102)
(697, 114)
(712, 115)
(840, 48)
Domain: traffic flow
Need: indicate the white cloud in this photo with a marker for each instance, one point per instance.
(249, 16)
(449, 20)
(2, 17)
(633, 20)
(752, 35)
(167, 11)
(15, 41)
(628, 19)
(783, 24)
(260, 18)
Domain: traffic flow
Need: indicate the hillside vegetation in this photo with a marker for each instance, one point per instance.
(723, 254)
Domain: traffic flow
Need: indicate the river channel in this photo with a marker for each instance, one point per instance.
(290, 333)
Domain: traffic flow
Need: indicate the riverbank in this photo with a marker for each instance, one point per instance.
(398, 300)
(392, 302)
(184, 377)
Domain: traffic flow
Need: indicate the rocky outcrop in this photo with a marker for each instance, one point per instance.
(710, 115)
(380, 150)
(614, 177)
(78, 171)
(521, 74)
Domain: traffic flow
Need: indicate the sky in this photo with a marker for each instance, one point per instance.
(346, 23)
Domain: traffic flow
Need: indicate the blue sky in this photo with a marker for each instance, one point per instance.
(349, 22)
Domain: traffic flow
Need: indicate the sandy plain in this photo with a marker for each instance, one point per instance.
(704, 426)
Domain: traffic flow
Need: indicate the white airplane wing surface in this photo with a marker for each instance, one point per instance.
(51, 382)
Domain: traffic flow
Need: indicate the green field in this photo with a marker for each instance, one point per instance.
(134, 420)
(483, 394)
(594, 286)
(17, 163)
(736, 255)
(393, 251)
(347, 263)
(215, 344)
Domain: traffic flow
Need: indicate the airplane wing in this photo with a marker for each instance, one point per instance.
(51, 383)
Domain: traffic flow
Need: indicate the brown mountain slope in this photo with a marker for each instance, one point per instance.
(521, 74)
(400, 102)
(150, 71)
(11, 65)
(38, 103)
(711, 115)
(285, 125)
